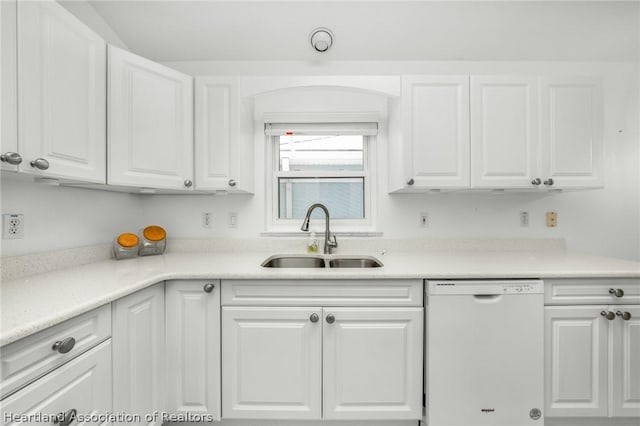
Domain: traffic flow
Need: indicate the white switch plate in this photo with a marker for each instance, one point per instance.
(12, 226)
(207, 220)
(233, 220)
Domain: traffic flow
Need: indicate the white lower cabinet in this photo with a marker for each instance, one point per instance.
(82, 387)
(592, 361)
(372, 363)
(331, 363)
(138, 353)
(193, 347)
(271, 362)
(625, 375)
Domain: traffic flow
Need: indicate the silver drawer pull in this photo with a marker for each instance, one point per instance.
(624, 315)
(608, 315)
(331, 318)
(65, 419)
(618, 292)
(12, 158)
(40, 164)
(64, 346)
(208, 288)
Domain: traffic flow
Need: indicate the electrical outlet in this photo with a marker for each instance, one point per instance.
(524, 219)
(552, 219)
(233, 220)
(423, 220)
(207, 219)
(12, 226)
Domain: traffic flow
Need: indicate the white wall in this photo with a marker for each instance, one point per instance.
(57, 217)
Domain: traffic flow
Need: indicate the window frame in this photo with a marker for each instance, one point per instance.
(275, 225)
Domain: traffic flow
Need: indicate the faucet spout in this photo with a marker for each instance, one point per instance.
(330, 241)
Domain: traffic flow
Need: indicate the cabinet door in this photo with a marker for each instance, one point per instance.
(138, 352)
(193, 346)
(83, 384)
(62, 93)
(271, 363)
(571, 132)
(576, 347)
(150, 123)
(504, 139)
(436, 127)
(372, 363)
(223, 158)
(625, 376)
(9, 84)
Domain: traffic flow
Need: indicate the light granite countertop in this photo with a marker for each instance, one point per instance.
(35, 302)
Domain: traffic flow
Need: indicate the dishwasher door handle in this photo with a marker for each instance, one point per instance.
(487, 298)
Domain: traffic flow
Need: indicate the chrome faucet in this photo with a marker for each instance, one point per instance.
(330, 241)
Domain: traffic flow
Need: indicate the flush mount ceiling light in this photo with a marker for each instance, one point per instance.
(321, 39)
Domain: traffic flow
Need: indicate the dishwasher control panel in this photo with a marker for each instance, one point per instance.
(485, 287)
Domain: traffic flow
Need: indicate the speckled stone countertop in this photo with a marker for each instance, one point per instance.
(35, 302)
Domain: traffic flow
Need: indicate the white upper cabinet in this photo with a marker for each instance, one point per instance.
(62, 94)
(504, 136)
(436, 128)
(9, 85)
(150, 124)
(224, 158)
(572, 153)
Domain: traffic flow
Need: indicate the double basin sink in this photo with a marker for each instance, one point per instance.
(321, 261)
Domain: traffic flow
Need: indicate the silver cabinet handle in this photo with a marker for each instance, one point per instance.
(548, 182)
(40, 164)
(608, 315)
(536, 182)
(208, 287)
(65, 419)
(410, 182)
(232, 182)
(188, 183)
(314, 317)
(331, 318)
(64, 346)
(624, 315)
(12, 158)
(618, 292)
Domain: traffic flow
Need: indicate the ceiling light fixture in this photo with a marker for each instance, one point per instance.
(321, 39)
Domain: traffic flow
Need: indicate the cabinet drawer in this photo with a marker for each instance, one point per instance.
(31, 357)
(322, 292)
(592, 291)
(84, 385)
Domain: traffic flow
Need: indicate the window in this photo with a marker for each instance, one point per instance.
(324, 163)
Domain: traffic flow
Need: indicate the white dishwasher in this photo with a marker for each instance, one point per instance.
(485, 353)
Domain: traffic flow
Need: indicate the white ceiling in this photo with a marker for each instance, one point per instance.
(377, 30)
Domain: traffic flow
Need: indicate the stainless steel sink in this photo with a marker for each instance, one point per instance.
(330, 261)
(354, 262)
(292, 261)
